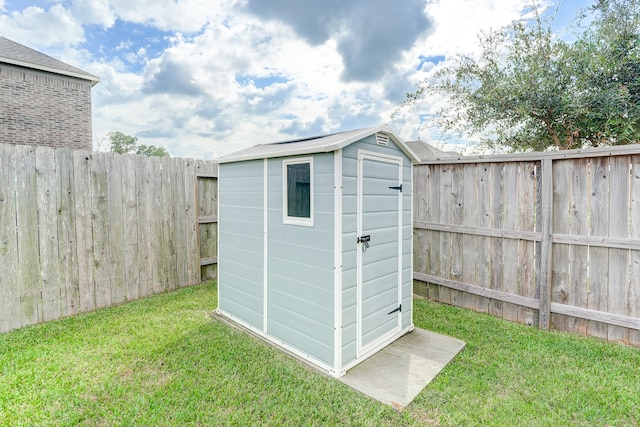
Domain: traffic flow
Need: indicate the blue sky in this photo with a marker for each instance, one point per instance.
(205, 78)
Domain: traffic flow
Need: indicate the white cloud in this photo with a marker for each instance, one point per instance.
(36, 26)
(97, 12)
(187, 16)
(204, 88)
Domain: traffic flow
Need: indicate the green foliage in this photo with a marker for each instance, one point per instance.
(530, 90)
(151, 150)
(122, 143)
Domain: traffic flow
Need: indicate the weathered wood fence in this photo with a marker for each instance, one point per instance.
(548, 239)
(83, 230)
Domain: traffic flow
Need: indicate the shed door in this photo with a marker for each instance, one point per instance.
(379, 249)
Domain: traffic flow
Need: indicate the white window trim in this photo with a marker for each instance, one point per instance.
(294, 220)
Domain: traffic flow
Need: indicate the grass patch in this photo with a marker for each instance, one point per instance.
(164, 361)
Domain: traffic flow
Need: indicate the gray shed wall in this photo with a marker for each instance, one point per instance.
(300, 267)
(241, 254)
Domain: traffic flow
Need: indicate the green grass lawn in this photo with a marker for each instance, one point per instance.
(164, 361)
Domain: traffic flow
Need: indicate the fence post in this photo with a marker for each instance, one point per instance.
(546, 247)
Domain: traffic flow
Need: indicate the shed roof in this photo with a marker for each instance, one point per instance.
(426, 151)
(316, 144)
(16, 54)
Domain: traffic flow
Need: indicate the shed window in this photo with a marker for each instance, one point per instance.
(298, 191)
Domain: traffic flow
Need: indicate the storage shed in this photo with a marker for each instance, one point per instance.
(315, 244)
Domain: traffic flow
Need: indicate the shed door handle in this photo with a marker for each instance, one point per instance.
(365, 240)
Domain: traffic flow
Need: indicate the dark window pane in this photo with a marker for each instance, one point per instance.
(299, 190)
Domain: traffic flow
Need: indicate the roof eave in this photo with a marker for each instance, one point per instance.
(89, 77)
(327, 148)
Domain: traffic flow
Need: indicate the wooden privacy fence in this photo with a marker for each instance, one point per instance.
(548, 239)
(83, 230)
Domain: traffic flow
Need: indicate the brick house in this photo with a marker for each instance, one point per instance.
(43, 101)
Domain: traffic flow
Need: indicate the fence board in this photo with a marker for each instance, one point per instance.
(116, 228)
(158, 244)
(82, 190)
(433, 215)
(457, 218)
(483, 267)
(10, 317)
(66, 222)
(169, 214)
(46, 184)
(446, 211)
(180, 221)
(131, 246)
(510, 252)
(27, 226)
(525, 276)
(560, 292)
(579, 255)
(599, 257)
(634, 283)
(573, 246)
(618, 258)
(100, 228)
(496, 220)
(469, 242)
(80, 230)
(145, 213)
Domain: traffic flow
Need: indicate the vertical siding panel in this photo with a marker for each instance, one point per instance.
(67, 241)
(446, 213)
(579, 225)
(132, 263)
(634, 284)
(9, 283)
(483, 248)
(100, 229)
(619, 258)
(470, 219)
(562, 173)
(526, 283)
(82, 188)
(510, 263)
(599, 257)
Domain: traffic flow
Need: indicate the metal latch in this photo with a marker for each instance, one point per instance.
(399, 187)
(365, 240)
(399, 308)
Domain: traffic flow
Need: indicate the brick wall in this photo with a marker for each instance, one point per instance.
(39, 108)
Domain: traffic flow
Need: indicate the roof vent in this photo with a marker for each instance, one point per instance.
(382, 139)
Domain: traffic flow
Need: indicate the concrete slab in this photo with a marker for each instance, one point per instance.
(397, 373)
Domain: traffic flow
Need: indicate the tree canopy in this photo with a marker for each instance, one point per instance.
(122, 143)
(531, 90)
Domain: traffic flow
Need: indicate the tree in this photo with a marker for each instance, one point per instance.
(122, 143)
(530, 90)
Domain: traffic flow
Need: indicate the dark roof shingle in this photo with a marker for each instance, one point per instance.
(17, 54)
